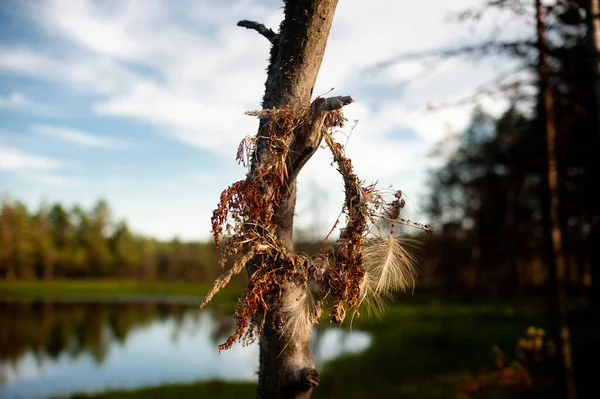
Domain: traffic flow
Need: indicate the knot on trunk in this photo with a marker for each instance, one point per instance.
(309, 378)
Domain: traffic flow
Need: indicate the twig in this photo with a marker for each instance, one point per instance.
(260, 28)
(484, 89)
(486, 48)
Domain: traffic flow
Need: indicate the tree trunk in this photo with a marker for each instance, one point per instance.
(593, 37)
(286, 366)
(48, 265)
(555, 258)
(512, 238)
(593, 45)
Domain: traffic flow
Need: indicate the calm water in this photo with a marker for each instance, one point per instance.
(57, 348)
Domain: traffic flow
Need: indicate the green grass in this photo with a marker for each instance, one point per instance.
(211, 389)
(421, 351)
(104, 289)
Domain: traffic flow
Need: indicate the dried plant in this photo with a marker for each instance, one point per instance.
(366, 264)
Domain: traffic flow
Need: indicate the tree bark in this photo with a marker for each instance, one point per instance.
(555, 258)
(286, 368)
(593, 45)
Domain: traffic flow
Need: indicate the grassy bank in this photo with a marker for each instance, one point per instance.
(423, 351)
(104, 289)
(211, 389)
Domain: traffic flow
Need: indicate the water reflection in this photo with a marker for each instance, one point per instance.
(56, 348)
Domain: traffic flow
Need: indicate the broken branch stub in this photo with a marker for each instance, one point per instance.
(260, 28)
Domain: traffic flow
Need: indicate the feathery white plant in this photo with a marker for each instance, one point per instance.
(389, 267)
(299, 310)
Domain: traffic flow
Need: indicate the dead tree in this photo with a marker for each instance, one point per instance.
(286, 365)
(286, 290)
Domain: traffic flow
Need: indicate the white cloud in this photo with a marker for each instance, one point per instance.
(26, 61)
(12, 159)
(80, 73)
(87, 23)
(78, 137)
(205, 76)
(367, 33)
(185, 67)
(200, 81)
(14, 100)
(152, 34)
(193, 121)
(17, 102)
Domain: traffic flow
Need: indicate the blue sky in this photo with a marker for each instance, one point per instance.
(141, 102)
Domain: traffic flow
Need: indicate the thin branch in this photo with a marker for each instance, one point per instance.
(476, 14)
(407, 222)
(481, 49)
(260, 28)
(499, 86)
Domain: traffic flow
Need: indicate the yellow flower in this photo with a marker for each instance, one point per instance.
(531, 331)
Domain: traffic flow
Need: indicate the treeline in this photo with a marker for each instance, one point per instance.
(492, 195)
(54, 242)
(488, 199)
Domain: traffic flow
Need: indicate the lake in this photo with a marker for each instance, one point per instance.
(50, 348)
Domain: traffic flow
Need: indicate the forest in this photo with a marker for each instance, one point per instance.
(54, 242)
(516, 194)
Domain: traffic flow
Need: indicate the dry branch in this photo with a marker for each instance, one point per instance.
(521, 48)
(260, 28)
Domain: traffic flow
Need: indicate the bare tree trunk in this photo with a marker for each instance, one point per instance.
(593, 23)
(512, 237)
(593, 45)
(287, 369)
(592, 8)
(552, 229)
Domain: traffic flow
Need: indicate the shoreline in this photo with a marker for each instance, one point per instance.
(109, 290)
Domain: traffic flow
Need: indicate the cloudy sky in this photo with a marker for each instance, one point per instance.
(142, 102)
